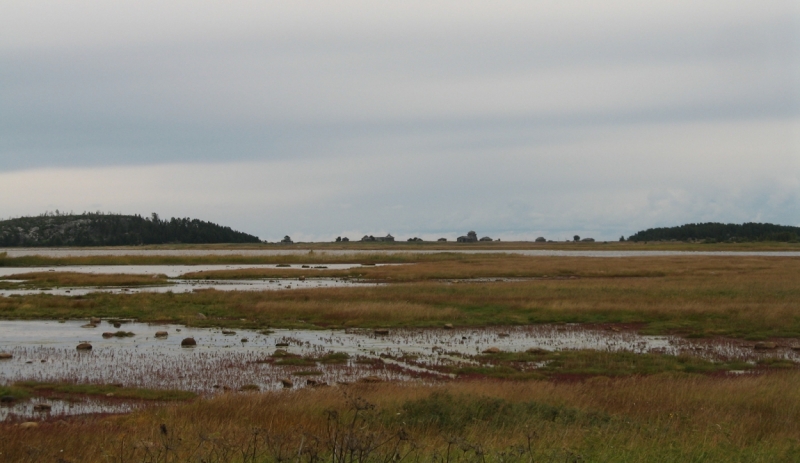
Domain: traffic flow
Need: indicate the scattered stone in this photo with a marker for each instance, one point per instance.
(287, 383)
(765, 346)
(107, 335)
(492, 350)
(162, 334)
(95, 321)
(245, 340)
(281, 344)
(302, 278)
(228, 332)
(503, 335)
(84, 346)
(371, 379)
(188, 342)
(280, 353)
(117, 324)
(29, 425)
(448, 326)
(89, 325)
(177, 329)
(42, 407)
(5, 355)
(382, 332)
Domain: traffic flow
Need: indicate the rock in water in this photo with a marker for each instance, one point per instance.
(188, 342)
(5, 355)
(161, 334)
(42, 408)
(84, 346)
(765, 346)
(371, 379)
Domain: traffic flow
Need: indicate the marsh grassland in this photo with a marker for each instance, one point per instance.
(572, 405)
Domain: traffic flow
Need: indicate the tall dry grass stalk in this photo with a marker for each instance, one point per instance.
(638, 419)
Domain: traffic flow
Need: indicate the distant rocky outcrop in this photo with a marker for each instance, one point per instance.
(388, 237)
(98, 229)
(471, 237)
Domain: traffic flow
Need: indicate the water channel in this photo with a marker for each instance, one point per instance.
(45, 351)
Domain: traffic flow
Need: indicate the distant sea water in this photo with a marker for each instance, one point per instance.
(83, 252)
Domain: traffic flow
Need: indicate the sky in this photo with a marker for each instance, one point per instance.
(516, 119)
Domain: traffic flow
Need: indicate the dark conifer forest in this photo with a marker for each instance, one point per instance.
(720, 232)
(98, 229)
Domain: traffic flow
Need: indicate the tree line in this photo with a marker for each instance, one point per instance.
(97, 229)
(713, 231)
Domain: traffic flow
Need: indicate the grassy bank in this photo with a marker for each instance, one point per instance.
(754, 298)
(662, 418)
(66, 391)
(37, 280)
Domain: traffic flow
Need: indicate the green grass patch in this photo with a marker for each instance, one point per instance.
(544, 364)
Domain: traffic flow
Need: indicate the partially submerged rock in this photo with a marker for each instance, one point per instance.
(228, 332)
(162, 334)
(84, 346)
(42, 407)
(765, 346)
(188, 342)
(5, 355)
(371, 379)
(537, 351)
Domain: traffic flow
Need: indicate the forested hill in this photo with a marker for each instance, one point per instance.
(113, 230)
(720, 232)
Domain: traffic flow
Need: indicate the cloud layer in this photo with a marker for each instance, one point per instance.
(517, 119)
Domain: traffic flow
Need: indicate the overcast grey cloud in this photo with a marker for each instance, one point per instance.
(517, 119)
